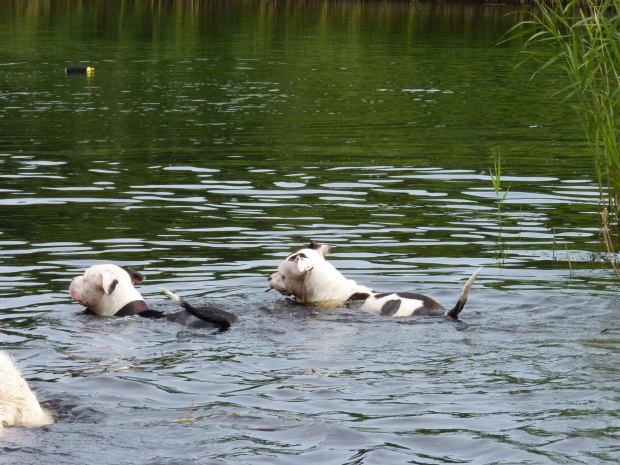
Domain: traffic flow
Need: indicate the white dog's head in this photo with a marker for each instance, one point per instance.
(306, 275)
(105, 289)
(290, 279)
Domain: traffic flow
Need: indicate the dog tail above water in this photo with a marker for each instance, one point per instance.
(454, 313)
(220, 318)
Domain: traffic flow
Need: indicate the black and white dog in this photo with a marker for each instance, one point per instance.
(108, 290)
(311, 279)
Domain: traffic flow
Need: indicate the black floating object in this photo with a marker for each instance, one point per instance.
(80, 70)
(220, 318)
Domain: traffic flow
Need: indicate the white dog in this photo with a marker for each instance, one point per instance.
(18, 404)
(311, 279)
(108, 290)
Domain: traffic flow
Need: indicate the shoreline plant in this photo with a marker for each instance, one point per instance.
(582, 38)
(496, 181)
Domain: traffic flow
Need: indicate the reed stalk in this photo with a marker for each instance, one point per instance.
(583, 39)
(189, 417)
(496, 180)
(570, 266)
(608, 244)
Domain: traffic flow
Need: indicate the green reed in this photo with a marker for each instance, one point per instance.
(583, 39)
(496, 181)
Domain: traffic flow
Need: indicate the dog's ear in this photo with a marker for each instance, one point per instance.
(321, 248)
(107, 281)
(304, 264)
(136, 276)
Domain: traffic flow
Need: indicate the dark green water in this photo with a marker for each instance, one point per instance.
(216, 137)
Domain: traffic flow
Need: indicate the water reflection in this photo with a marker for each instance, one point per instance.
(394, 206)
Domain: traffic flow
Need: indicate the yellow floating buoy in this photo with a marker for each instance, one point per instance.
(80, 70)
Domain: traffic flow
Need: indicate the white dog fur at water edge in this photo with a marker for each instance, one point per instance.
(18, 404)
(311, 279)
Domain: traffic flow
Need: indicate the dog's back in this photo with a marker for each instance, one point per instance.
(18, 404)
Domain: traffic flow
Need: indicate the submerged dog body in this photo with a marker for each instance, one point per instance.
(311, 279)
(18, 404)
(108, 290)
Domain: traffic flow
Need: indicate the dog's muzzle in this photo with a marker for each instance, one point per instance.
(275, 282)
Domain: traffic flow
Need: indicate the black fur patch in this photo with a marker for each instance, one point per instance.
(426, 301)
(112, 287)
(358, 296)
(155, 314)
(390, 307)
(132, 308)
(136, 276)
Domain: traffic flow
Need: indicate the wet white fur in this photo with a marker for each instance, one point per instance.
(18, 404)
(407, 307)
(104, 289)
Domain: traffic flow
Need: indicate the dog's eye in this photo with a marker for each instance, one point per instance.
(283, 278)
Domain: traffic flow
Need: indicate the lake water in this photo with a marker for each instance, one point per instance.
(217, 137)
